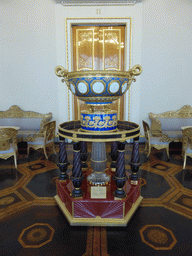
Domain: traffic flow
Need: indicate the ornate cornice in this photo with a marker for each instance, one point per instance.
(96, 2)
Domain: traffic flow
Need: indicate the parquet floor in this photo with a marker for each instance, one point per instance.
(32, 224)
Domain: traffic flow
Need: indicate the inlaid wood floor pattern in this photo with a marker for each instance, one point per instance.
(32, 224)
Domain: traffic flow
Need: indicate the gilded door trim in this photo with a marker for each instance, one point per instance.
(95, 20)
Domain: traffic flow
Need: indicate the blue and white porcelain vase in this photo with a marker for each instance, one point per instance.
(98, 88)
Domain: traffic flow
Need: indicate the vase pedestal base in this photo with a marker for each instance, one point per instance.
(89, 211)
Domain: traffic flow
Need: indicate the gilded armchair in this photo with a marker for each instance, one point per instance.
(44, 139)
(8, 143)
(159, 142)
(187, 144)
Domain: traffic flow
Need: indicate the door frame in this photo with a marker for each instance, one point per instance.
(127, 22)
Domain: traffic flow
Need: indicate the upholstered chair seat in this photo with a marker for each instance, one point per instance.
(39, 141)
(44, 139)
(8, 144)
(157, 140)
(187, 144)
(174, 134)
(151, 141)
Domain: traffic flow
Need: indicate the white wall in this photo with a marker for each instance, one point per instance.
(28, 55)
(166, 56)
(32, 43)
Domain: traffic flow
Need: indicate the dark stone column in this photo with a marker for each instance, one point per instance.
(120, 175)
(63, 161)
(98, 164)
(114, 155)
(83, 154)
(77, 176)
(135, 162)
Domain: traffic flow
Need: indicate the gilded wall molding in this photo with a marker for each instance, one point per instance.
(95, 20)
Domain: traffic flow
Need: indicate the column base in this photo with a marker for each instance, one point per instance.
(120, 193)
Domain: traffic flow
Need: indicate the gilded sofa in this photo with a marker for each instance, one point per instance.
(170, 123)
(29, 122)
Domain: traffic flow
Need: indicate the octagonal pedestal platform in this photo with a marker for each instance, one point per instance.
(87, 211)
